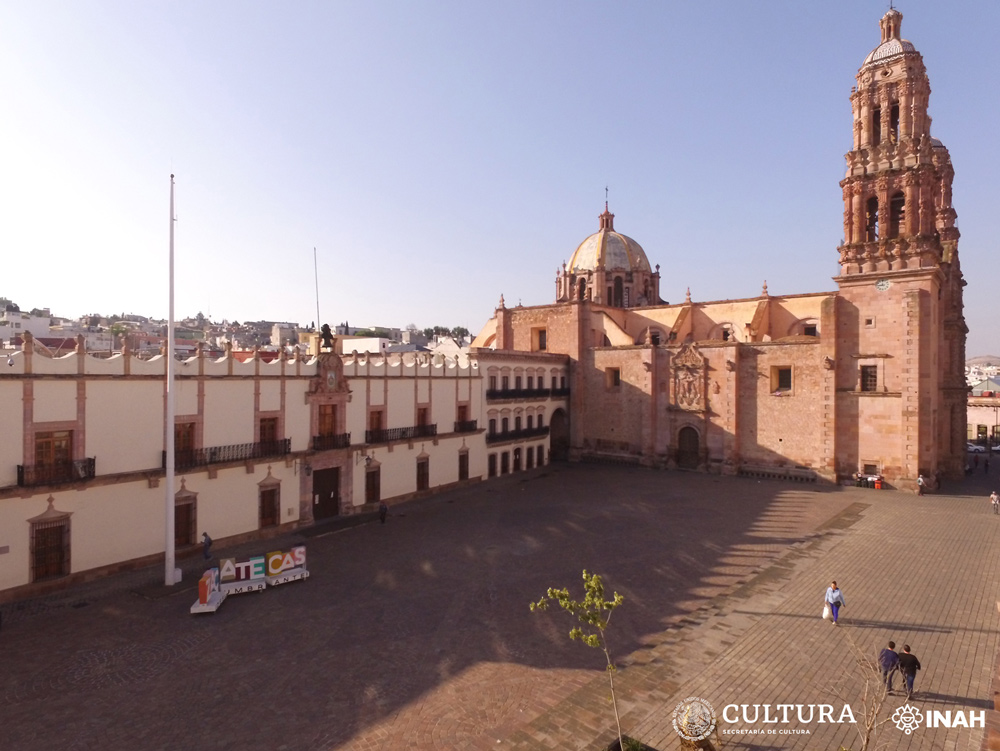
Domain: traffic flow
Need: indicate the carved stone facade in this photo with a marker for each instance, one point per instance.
(868, 378)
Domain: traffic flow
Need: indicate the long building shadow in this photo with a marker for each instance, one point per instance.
(425, 617)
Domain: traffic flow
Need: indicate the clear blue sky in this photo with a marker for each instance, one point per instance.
(439, 154)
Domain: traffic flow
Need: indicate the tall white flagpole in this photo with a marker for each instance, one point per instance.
(316, 274)
(168, 427)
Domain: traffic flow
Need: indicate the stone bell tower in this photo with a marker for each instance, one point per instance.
(899, 269)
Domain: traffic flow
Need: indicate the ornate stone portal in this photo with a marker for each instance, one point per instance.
(689, 379)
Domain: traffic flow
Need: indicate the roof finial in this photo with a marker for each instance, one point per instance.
(763, 292)
(687, 295)
(605, 197)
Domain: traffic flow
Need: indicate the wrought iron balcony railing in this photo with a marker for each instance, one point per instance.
(513, 435)
(466, 426)
(335, 441)
(187, 458)
(400, 434)
(53, 474)
(561, 392)
(517, 393)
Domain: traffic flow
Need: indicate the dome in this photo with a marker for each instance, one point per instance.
(608, 250)
(892, 44)
(887, 50)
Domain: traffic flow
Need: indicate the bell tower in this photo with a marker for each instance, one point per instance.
(899, 270)
(897, 192)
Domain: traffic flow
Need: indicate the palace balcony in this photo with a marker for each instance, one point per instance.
(54, 474)
(400, 434)
(514, 435)
(238, 452)
(335, 441)
(466, 426)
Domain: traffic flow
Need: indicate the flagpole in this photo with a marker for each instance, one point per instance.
(169, 578)
(316, 274)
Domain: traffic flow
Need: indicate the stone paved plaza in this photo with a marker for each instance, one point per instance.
(417, 634)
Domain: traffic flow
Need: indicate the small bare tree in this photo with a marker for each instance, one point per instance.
(594, 614)
(864, 677)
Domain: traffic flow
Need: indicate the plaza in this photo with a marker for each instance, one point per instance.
(417, 634)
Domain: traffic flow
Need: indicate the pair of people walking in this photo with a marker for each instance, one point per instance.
(906, 663)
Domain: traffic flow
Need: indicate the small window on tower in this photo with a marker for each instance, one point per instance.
(894, 123)
(869, 378)
(897, 215)
(876, 126)
(871, 219)
(809, 329)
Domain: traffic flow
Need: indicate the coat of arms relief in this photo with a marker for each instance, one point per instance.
(688, 369)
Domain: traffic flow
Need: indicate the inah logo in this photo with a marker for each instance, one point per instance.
(907, 718)
(694, 719)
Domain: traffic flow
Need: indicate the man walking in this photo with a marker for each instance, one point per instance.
(995, 500)
(888, 660)
(908, 666)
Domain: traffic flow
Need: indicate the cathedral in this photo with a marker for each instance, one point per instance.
(867, 379)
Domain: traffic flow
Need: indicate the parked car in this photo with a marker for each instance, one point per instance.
(975, 448)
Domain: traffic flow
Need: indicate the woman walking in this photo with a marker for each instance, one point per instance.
(835, 599)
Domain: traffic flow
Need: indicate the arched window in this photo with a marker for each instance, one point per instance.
(897, 214)
(876, 126)
(618, 292)
(894, 123)
(871, 219)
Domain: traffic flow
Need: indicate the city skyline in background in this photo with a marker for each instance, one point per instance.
(438, 157)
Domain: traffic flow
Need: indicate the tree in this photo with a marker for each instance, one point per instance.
(594, 614)
(459, 331)
(862, 685)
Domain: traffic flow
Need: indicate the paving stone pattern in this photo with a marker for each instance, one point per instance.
(416, 634)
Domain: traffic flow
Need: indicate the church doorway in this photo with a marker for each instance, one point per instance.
(687, 448)
(558, 437)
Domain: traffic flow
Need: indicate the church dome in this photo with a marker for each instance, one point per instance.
(608, 250)
(892, 44)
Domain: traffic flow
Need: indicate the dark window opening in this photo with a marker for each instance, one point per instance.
(782, 379)
(876, 127)
(725, 335)
(268, 430)
(491, 466)
(505, 425)
(894, 124)
(618, 292)
(542, 340)
(493, 383)
(373, 484)
(809, 330)
(505, 383)
(871, 219)
(897, 215)
(582, 294)
(463, 466)
(869, 377)
(613, 378)
(504, 463)
(869, 469)
(654, 337)
(493, 426)
(531, 383)
(517, 383)
(517, 423)
(270, 508)
(517, 460)
(423, 474)
(531, 421)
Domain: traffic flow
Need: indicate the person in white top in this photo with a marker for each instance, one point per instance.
(835, 599)
(995, 500)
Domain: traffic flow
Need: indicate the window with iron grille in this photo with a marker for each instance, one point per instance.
(869, 377)
(423, 474)
(185, 522)
(373, 484)
(50, 549)
(270, 507)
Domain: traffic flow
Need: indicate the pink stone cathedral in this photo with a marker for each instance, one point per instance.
(866, 379)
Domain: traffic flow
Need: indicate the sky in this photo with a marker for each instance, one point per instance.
(439, 154)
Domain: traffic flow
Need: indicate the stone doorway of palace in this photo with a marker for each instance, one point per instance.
(559, 436)
(326, 493)
(688, 448)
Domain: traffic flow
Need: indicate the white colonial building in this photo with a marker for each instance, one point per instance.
(261, 446)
